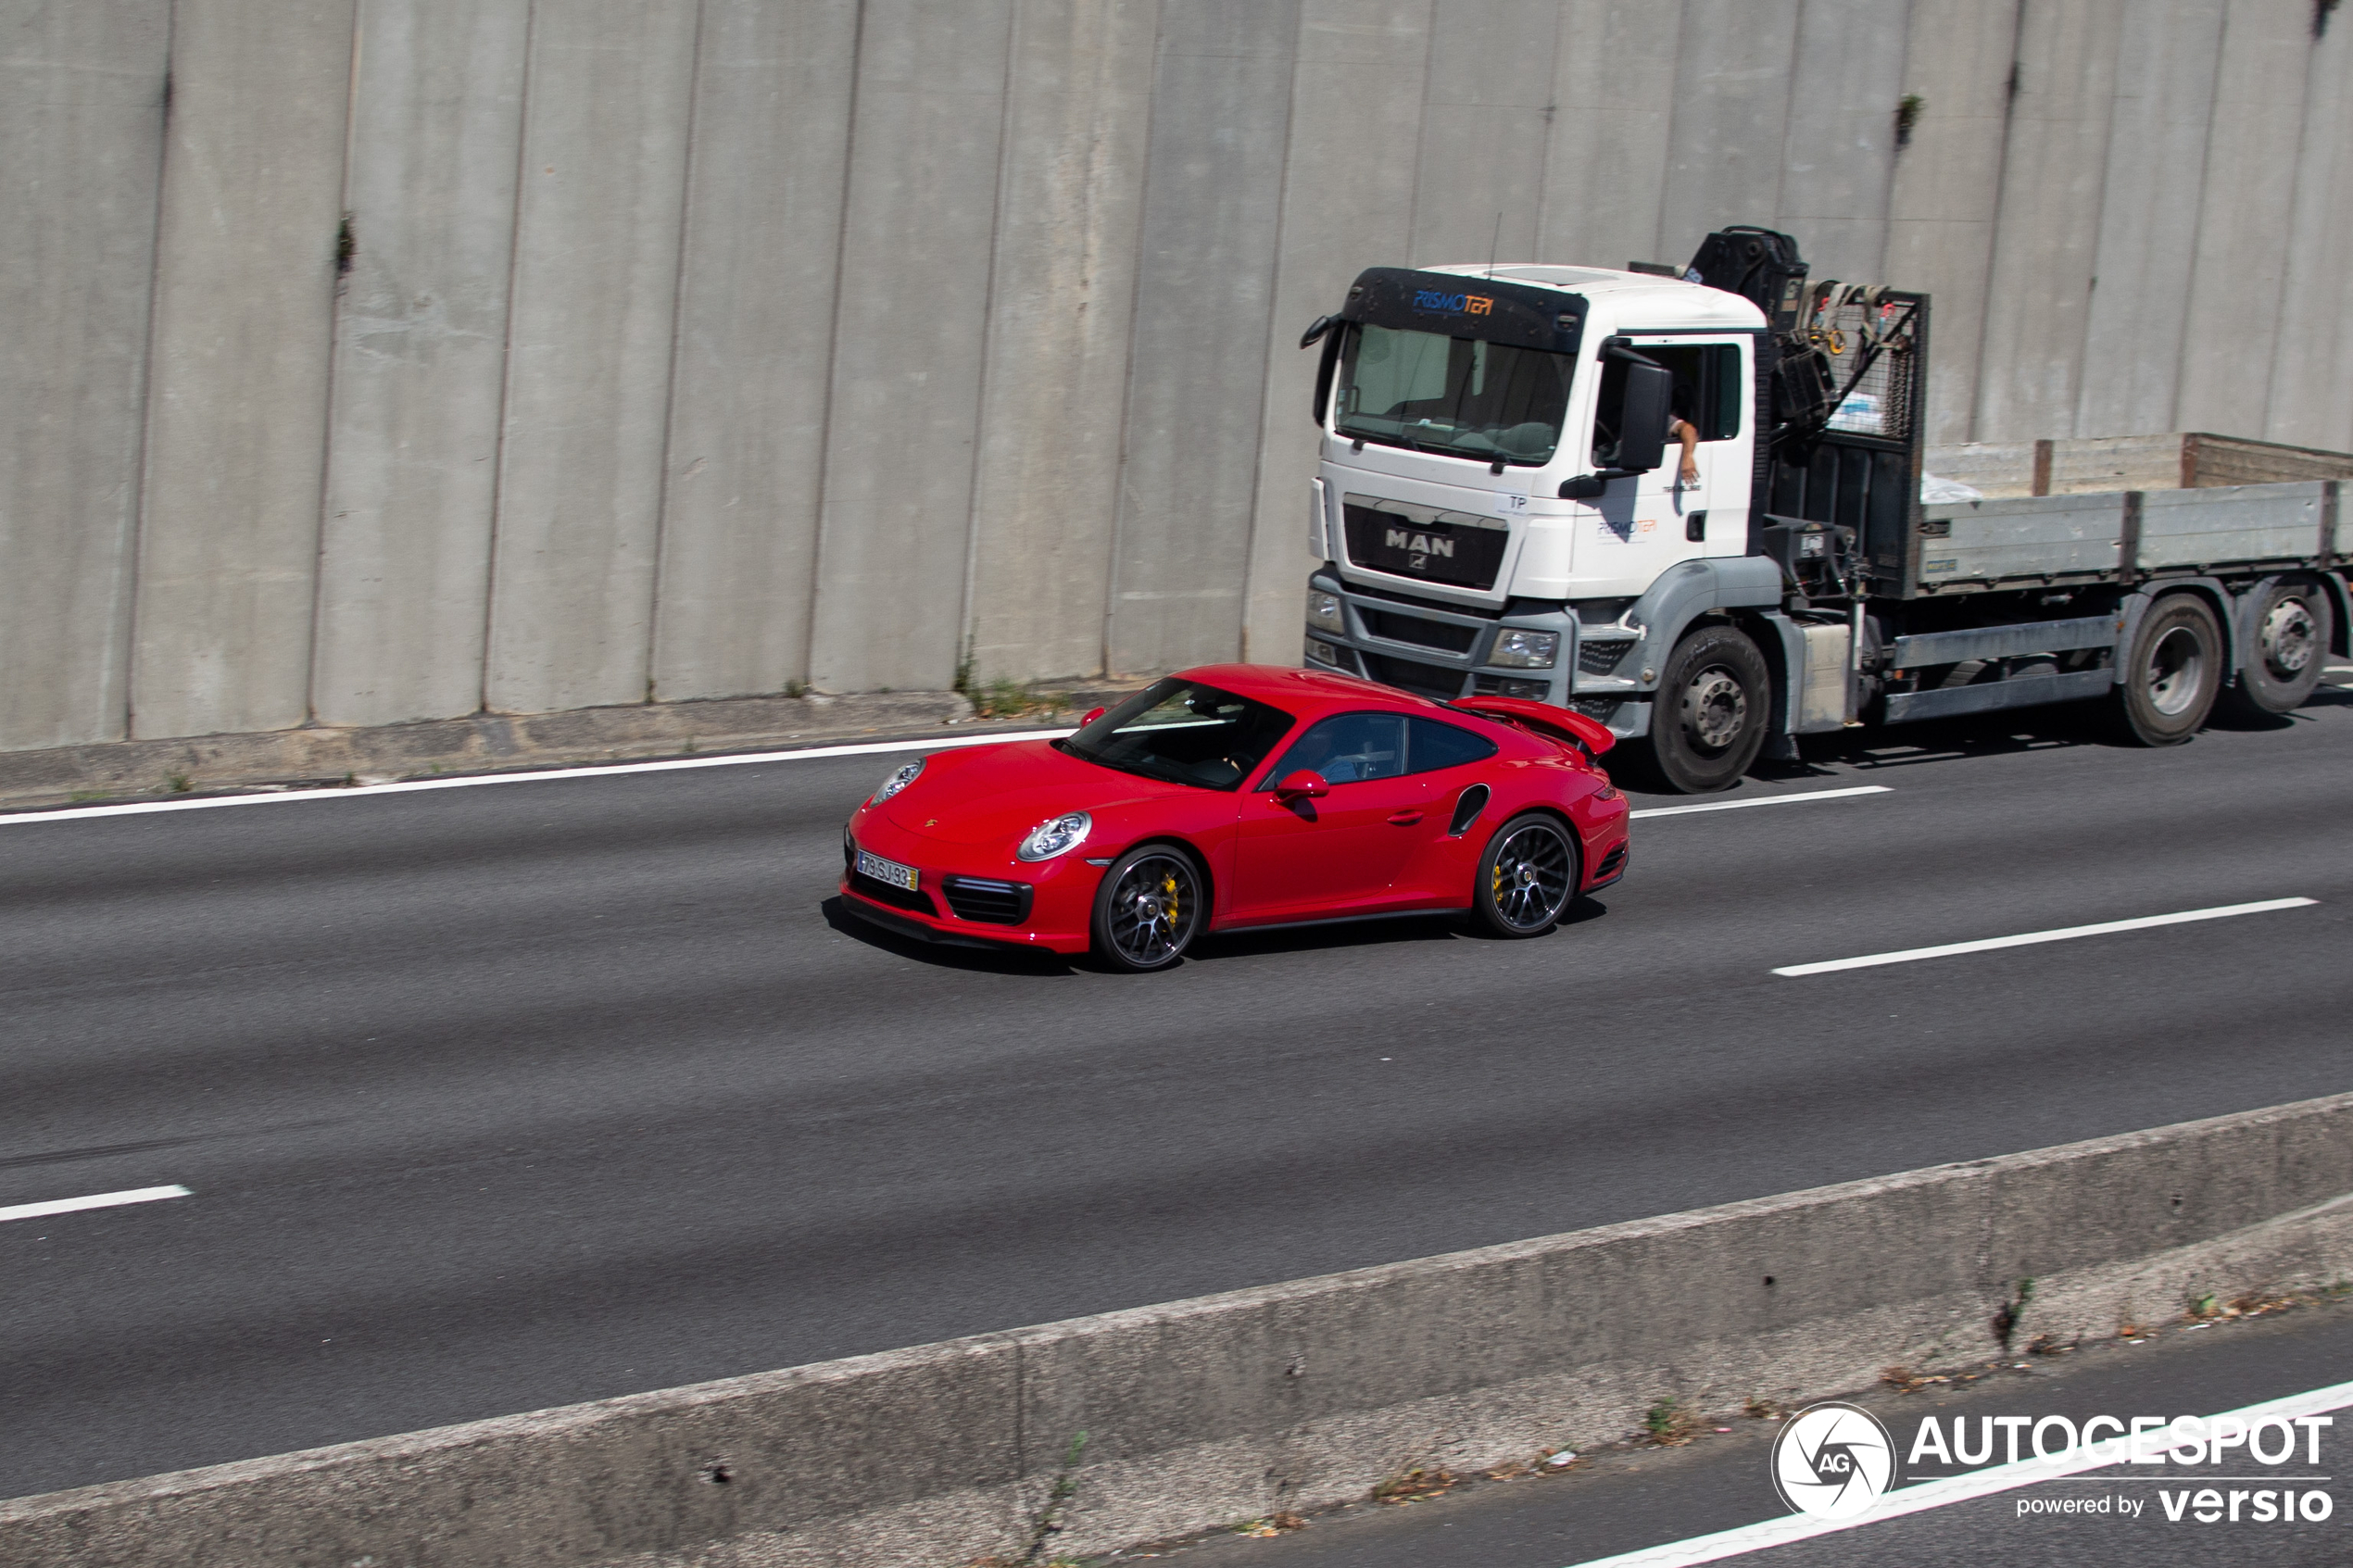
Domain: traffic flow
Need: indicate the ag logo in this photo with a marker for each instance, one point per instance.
(1832, 1460)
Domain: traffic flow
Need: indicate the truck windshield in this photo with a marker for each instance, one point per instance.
(1459, 396)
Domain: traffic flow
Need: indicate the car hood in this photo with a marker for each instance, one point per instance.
(996, 794)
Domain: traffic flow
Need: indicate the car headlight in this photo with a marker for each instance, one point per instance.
(900, 777)
(1324, 613)
(1055, 835)
(1526, 650)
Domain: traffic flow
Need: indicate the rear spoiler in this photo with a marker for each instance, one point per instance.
(1588, 736)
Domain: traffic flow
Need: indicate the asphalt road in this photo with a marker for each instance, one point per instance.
(496, 1098)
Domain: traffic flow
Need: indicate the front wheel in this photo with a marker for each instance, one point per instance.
(1708, 722)
(1527, 876)
(1147, 908)
(2172, 672)
(2293, 626)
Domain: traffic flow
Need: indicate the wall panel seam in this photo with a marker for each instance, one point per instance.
(965, 631)
(335, 371)
(2205, 172)
(677, 320)
(1267, 369)
(507, 357)
(2100, 209)
(833, 347)
(2010, 87)
(129, 647)
(1135, 314)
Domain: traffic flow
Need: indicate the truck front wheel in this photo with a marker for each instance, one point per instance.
(2172, 672)
(1708, 722)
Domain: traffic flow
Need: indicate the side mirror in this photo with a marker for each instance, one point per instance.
(1650, 398)
(1317, 329)
(1092, 714)
(1306, 782)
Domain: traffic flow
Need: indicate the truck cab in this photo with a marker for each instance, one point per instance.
(1487, 516)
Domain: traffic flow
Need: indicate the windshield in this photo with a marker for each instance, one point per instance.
(1183, 733)
(1459, 396)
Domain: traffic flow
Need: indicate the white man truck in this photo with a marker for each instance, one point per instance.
(1687, 502)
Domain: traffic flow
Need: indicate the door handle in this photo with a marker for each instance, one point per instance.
(1404, 819)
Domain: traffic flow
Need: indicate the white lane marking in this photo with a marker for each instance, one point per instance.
(1941, 1493)
(606, 771)
(2063, 935)
(1762, 800)
(100, 1200)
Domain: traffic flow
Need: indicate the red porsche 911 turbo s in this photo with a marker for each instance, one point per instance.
(1241, 795)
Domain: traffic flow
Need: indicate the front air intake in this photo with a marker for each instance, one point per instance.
(988, 903)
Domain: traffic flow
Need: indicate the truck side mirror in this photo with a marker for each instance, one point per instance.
(1317, 329)
(1650, 394)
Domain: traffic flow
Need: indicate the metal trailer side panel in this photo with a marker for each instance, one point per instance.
(2038, 539)
(2241, 524)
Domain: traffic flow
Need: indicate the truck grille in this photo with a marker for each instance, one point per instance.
(1599, 658)
(1413, 629)
(989, 903)
(1423, 680)
(1434, 552)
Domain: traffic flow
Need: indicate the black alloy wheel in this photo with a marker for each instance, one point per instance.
(1708, 718)
(2293, 626)
(1147, 908)
(1527, 877)
(2171, 674)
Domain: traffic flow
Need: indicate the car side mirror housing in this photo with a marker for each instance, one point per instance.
(1306, 782)
(1650, 396)
(1092, 714)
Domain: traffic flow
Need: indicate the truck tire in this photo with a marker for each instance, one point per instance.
(2171, 674)
(2292, 626)
(1708, 719)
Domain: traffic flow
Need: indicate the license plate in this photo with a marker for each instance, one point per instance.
(889, 872)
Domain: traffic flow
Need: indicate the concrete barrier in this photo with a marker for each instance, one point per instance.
(1291, 1396)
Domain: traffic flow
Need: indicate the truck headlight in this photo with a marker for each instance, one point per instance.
(1055, 835)
(1324, 613)
(1526, 650)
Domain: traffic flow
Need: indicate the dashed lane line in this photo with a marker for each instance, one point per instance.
(2065, 934)
(97, 1200)
(1762, 800)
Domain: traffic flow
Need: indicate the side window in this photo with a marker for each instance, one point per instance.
(1348, 748)
(1440, 745)
(1709, 391)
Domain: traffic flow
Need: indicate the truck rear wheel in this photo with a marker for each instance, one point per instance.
(2292, 626)
(1708, 722)
(2171, 674)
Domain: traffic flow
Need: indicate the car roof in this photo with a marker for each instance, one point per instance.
(1309, 694)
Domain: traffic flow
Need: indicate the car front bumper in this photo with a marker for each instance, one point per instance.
(968, 897)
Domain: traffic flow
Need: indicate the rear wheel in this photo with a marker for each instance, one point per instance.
(1708, 722)
(2291, 624)
(1147, 908)
(1527, 877)
(2172, 672)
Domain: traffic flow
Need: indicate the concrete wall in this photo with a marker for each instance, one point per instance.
(379, 360)
(1293, 1396)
